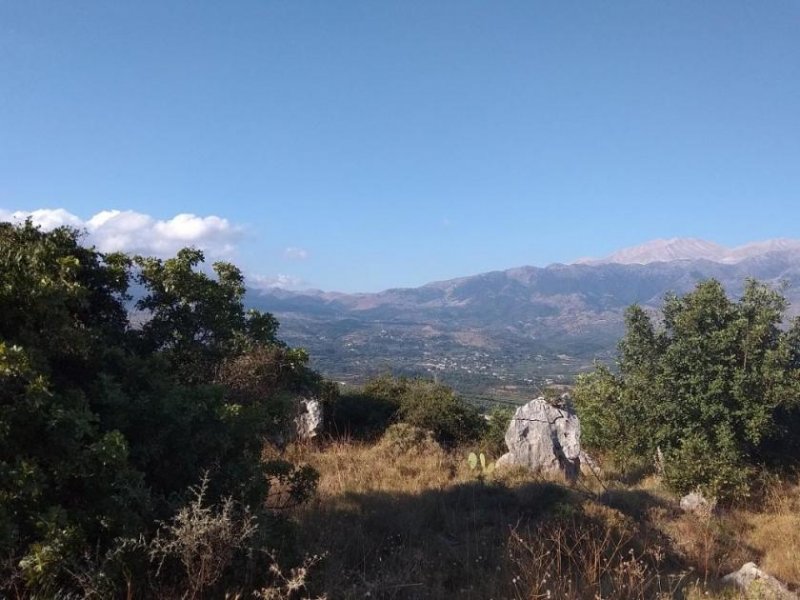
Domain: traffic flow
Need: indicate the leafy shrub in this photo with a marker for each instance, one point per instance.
(429, 405)
(387, 387)
(493, 440)
(611, 420)
(264, 371)
(716, 389)
(402, 438)
(384, 400)
(437, 407)
(720, 472)
(105, 425)
(361, 415)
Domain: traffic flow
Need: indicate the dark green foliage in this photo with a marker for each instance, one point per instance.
(103, 427)
(367, 412)
(429, 405)
(437, 407)
(493, 440)
(715, 465)
(716, 389)
(362, 416)
(194, 320)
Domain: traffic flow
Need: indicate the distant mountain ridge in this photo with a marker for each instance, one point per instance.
(693, 249)
(503, 332)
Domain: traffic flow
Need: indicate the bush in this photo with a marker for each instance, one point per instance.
(716, 389)
(361, 415)
(718, 472)
(436, 407)
(402, 438)
(383, 400)
(493, 440)
(429, 405)
(104, 425)
(203, 539)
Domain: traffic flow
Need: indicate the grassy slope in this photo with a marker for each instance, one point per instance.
(416, 522)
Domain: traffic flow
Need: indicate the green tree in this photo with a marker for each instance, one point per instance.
(196, 320)
(64, 478)
(715, 388)
(104, 426)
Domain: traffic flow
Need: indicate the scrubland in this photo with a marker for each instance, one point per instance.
(133, 460)
(405, 518)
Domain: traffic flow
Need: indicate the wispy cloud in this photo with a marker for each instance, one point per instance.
(295, 253)
(134, 232)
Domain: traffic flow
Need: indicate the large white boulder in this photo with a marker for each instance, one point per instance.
(310, 419)
(544, 438)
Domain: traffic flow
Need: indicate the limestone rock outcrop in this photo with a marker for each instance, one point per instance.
(310, 418)
(544, 438)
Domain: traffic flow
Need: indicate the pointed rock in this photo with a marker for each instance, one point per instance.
(544, 438)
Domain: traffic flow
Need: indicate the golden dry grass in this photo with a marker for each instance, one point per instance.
(411, 520)
(418, 523)
(774, 532)
(767, 533)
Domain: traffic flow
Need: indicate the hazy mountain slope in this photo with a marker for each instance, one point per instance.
(693, 249)
(667, 250)
(504, 328)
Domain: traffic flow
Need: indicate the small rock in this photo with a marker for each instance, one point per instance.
(755, 583)
(696, 503)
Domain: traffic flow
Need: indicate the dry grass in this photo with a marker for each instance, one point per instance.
(403, 467)
(402, 523)
(411, 520)
(774, 532)
(767, 533)
(415, 522)
(598, 553)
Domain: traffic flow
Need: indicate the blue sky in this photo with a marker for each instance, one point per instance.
(357, 146)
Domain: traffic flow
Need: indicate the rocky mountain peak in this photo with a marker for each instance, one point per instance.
(668, 250)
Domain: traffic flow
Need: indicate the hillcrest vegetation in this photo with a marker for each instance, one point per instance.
(148, 448)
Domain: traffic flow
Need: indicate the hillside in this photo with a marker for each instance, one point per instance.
(191, 454)
(425, 526)
(504, 332)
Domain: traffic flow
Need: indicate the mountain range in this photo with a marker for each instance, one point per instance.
(694, 249)
(509, 333)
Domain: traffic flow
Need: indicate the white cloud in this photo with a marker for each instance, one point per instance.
(295, 253)
(129, 231)
(284, 282)
(45, 217)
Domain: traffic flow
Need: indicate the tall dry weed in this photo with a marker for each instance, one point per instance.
(594, 553)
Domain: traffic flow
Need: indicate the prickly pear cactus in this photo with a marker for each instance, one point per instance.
(478, 462)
